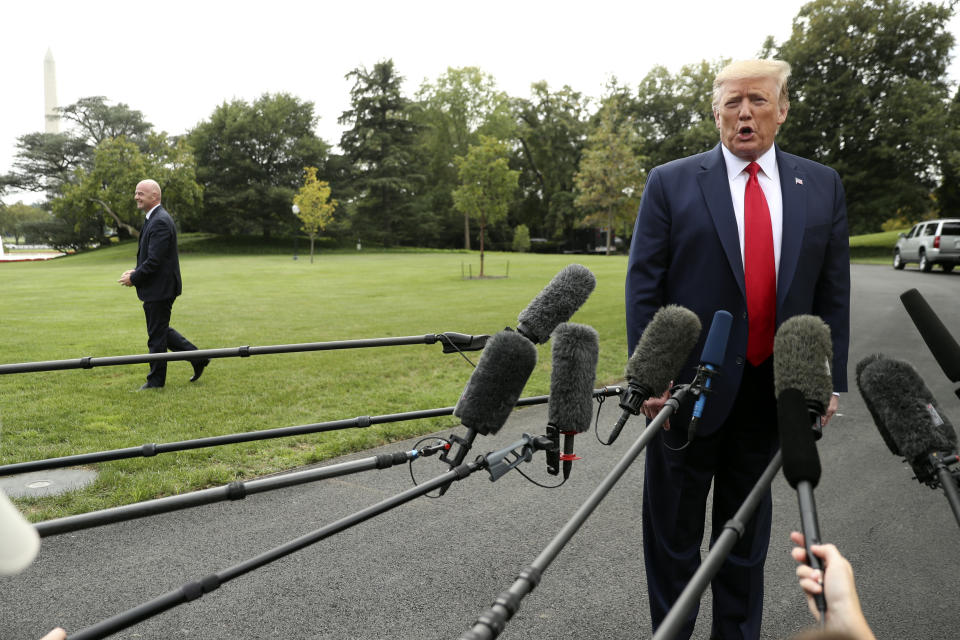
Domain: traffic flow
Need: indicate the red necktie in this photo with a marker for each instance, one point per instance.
(760, 271)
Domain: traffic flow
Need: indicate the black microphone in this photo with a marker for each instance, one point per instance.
(662, 350)
(711, 358)
(801, 468)
(505, 364)
(556, 303)
(868, 401)
(943, 345)
(906, 414)
(576, 348)
(802, 355)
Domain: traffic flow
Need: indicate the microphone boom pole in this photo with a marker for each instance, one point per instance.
(452, 342)
(492, 621)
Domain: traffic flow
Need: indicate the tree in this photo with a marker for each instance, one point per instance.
(45, 161)
(18, 221)
(673, 113)
(610, 180)
(380, 147)
(948, 193)
(97, 121)
(314, 207)
(870, 99)
(521, 239)
(551, 131)
(250, 160)
(487, 184)
(452, 113)
(106, 190)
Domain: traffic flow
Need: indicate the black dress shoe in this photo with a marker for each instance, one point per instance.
(147, 385)
(198, 368)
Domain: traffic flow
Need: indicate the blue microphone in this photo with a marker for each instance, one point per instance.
(713, 351)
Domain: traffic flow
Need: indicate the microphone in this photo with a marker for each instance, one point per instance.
(803, 352)
(943, 345)
(575, 351)
(906, 414)
(710, 358)
(556, 303)
(801, 468)
(19, 541)
(868, 401)
(505, 364)
(662, 350)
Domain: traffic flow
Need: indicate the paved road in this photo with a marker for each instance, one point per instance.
(427, 569)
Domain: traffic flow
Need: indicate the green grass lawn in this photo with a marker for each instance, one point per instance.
(73, 307)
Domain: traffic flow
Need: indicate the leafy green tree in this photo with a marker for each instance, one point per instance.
(551, 129)
(17, 221)
(314, 206)
(521, 239)
(106, 190)
(45, 161)
(487, 184)
(870, 99)
(610, 180)
(673, 113)
(250, 160)
(380, 147)
(97, 121)
(452, 113)
(948, 193)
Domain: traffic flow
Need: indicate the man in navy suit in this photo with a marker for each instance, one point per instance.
(707, 237)
(157, 279)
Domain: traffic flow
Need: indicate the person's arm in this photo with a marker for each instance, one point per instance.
(56, 634)
(837, 585)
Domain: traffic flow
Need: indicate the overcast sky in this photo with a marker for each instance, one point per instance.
(176, 61)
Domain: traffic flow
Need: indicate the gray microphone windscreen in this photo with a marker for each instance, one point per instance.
(505, 365)
(904, 406)
(576, 348)
(556, 303)
(877, 418)
(663, 348)
(802, 353)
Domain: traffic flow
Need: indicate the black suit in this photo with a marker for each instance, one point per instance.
(686, 251)
(158, 283)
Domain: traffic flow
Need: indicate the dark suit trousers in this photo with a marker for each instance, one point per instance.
(161, 337)
(675, 492)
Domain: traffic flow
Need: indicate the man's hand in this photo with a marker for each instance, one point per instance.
(651, 407)
(125, 278)
(832, 409)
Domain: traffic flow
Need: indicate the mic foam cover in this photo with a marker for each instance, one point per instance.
(903, 405)
(802, 353)
(797, 440)
(867, 400)
(942, 345)
(663, 348)
(576, 348)
(556, 303)
(494, 387)
(19, 541)
(717, 337)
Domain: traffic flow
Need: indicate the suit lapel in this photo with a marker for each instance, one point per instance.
(715, 187)
(794, 221)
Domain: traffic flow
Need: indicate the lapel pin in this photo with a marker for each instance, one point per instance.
(798, 180)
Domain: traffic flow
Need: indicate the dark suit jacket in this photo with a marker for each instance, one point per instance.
(157, 276)
(686, 251)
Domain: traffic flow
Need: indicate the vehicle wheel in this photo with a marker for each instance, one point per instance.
(947, 268)
(925, 265)
(898, 262)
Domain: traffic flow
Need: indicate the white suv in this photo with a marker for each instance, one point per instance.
(929, 243)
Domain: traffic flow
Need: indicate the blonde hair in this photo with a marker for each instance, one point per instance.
(776, 70)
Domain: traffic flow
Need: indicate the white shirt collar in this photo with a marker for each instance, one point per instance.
(736, 165)
(154, 208)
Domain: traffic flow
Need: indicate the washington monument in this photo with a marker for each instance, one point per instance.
(51, 117)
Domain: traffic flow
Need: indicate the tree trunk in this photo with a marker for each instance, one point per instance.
(123, 225)
(481, 246)
(466, 231)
